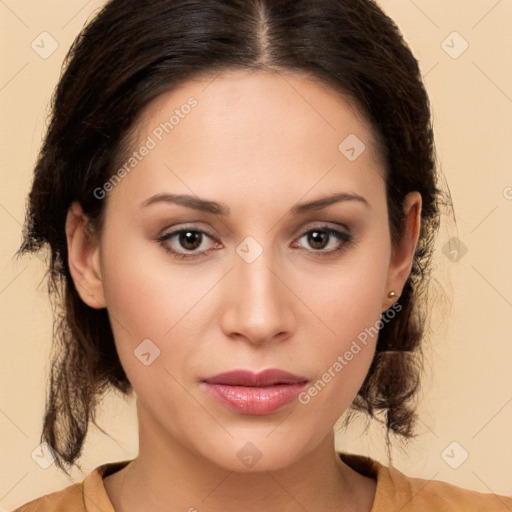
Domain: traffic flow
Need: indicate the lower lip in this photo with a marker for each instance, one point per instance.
(254, 400)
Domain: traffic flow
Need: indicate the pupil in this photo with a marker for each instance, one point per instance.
(316, 239)
(190, 240)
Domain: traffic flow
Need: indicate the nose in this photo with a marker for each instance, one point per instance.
(259, 303)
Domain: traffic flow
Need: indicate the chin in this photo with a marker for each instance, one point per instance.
(254, 454)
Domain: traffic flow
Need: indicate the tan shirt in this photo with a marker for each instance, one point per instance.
(395, 492)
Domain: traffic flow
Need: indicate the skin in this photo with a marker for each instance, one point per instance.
(259, 142)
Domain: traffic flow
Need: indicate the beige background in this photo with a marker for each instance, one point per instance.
(467, 394)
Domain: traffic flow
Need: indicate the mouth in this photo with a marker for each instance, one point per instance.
(252, 393)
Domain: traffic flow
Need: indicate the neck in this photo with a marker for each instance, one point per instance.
(167, 475)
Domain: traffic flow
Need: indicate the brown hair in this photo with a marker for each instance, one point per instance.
(133, 51)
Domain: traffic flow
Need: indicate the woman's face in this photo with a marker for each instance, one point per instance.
(258, 282)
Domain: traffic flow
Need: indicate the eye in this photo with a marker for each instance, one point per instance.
(186, 242)
(189, 243)
(321, 237)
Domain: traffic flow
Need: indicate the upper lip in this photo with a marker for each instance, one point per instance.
(248, 378)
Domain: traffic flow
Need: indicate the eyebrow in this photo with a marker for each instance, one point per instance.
(223, 210)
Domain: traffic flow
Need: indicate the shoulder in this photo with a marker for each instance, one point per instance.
(66, 500)
(396, 491)
(419, 494)
(90, 494)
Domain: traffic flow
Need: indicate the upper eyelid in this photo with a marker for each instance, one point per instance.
(175, 231)
(302, 231)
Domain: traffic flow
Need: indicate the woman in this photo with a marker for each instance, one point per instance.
(240, 198)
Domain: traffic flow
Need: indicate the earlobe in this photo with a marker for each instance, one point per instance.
(402, 256)
(83, 257)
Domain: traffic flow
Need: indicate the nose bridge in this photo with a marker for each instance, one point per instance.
(259, 308)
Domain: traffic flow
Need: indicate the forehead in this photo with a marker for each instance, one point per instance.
(260, 101)
(254, 130)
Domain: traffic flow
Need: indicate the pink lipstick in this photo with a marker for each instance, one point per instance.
(254, 393)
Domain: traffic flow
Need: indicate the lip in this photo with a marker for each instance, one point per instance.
(252, 393)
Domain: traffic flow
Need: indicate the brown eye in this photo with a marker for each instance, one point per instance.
(319, 239)
(190, 240)
(186, 243)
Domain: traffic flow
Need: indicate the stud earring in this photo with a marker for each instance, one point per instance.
(391, 294)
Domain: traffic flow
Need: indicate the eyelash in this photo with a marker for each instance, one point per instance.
(346, 238)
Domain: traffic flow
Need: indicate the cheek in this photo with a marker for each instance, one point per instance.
(350, 306)
(144, 300)
(342, 360)
(159, 310)
(347, 297)
(144, 289)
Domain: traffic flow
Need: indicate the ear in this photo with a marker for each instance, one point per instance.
(83, 257)
(402, 255)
